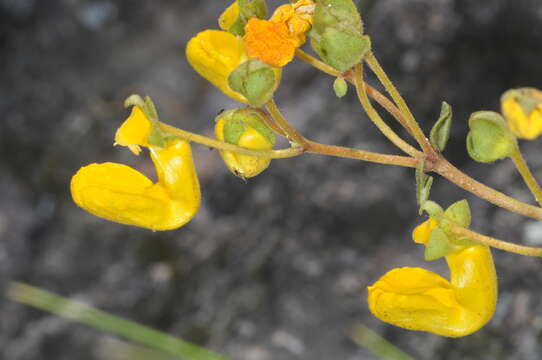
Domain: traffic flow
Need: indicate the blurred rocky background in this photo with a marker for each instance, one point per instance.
(274, 268)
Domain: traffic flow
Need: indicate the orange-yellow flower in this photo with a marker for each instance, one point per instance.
(270, 42)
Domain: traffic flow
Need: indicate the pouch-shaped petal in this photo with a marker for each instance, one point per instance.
(214, 54)
(418, 299)
(134, 131)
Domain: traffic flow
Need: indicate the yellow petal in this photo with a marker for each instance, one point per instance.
(418, 299)
(522, 125)
(229, 16)
(119, 193)
(135, 131)
(243, 165)
(268, 41)
(422, 232)
(214, 55)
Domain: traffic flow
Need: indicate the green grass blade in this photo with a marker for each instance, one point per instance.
(76, 311)
(377, 345)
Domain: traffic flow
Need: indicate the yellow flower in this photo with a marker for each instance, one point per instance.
(229, 16)
(214, 54)
(418, 299)
(119, 193)
(245, 166)
(522, 109)
(134, 131)
(274, 41)
(297, 17)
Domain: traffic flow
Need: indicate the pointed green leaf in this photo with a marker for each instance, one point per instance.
(440, 133)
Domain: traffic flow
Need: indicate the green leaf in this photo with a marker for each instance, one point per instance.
(85, 314)
(423, 185)
(459, 212)
(440, 133)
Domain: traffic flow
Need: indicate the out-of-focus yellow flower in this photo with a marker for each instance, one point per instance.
(274, 41)
(522, 109)
(418, 299)
(214, 54)
(229, 16)
(119, 193)
(250, 135)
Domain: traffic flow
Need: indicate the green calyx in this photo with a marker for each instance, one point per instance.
(489, 138)
(337, 34)
(237, 121)
(442, 240)
(248, 9)
(255, 80)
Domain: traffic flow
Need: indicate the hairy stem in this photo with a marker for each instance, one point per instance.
(496, 243)
(291, 134)
(376, 119)
(396, 96)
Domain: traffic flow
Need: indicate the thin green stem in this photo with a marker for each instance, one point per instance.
(495, 243)
(396, 96)
(376, 119)
(527, 175)
(220, 145)
(291, 134)
(371, 91)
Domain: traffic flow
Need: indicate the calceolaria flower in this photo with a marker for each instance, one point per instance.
(120, 193)
(522, 109)
(274, 41)
(418, 299)
(246, 128)
(215, 54)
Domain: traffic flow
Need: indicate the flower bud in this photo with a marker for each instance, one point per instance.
(522, 109)
(340, 87)
(255, 80)
(336, 34)
(489, 138)
(246, 128)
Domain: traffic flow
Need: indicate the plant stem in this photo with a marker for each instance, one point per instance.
(376, 119)
(527, 175)
(456, 176)
(344, 152)
(220, 145)
(496, 243)
(372, 92)
(396, 96)
(291, 134)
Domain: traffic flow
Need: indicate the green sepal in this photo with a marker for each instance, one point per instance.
(237, 28)
(156, 137)
(255, 80)
(340, 49)
(252, 8)
(340, 86)
(423, 185)
(438, 245)
(489, 138)
(528, 98)
(233, 130)
(440, 133)
(146, 105)
(340, 13)
(459, 213)
(432, 208)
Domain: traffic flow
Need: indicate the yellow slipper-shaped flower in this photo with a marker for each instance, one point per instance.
(418, 299)
(119, 193)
